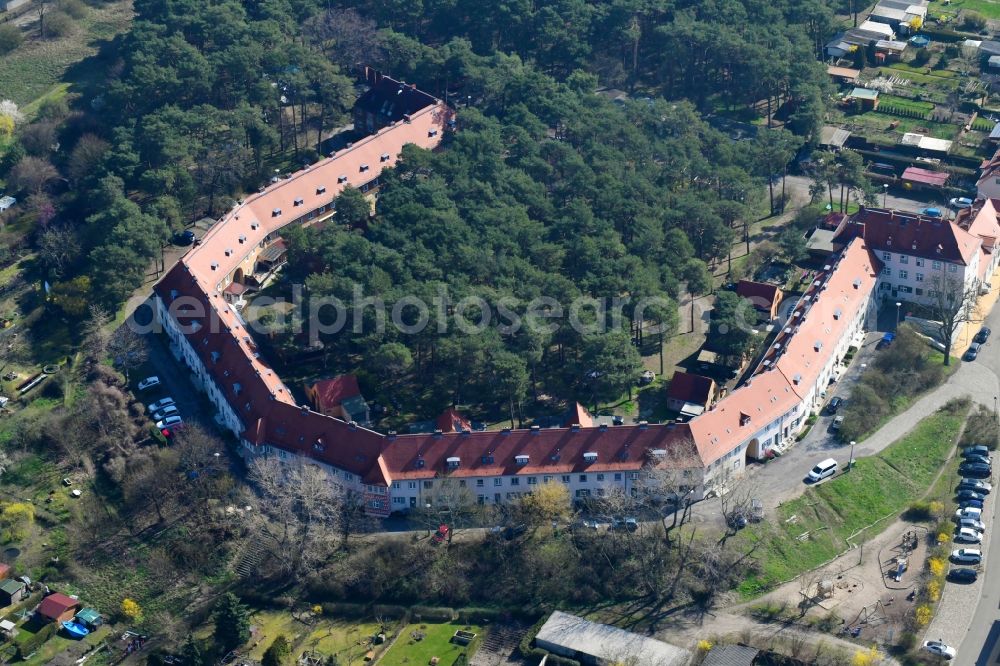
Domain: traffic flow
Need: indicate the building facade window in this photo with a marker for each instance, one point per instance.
(565, 478)
(583, 478)
(480, 483)
(532, 480)
(936, 265)
(412, 485)
(903, 259)
(497, 481)
(515, 481)
(920, 262)
(902, 275)
(887, 256)
(600, 477)
(952, 268)
(920, 277)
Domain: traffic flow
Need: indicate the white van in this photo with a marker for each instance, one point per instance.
(969, 512)
(823, 470)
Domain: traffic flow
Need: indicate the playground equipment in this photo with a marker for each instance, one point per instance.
(900, 568)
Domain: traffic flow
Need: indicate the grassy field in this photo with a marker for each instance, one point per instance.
(988, 8)
(816, 526)
(39, 68)
(407, 651)
(349, 641)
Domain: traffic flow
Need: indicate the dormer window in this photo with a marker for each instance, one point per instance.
(364, 167)
(487, 460)
(744, 419)
(229, 251)
(419, 464)
(521, 459)
(590, 457)
(321, 189)
(215, 265)
(384, 157)
(237, 387)
(453, 462)
(215, 356)
(243, 239)
(343, 179)
(299, 202)
(432, 132)
(254, 225)
(276, 212)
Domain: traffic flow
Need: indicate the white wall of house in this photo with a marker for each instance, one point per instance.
(989, 187)
(912, 278)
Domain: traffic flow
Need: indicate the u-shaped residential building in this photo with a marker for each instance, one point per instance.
(195, 307)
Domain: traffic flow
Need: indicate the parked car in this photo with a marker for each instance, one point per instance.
(976, 470)
(972, 352)
(834, 404)
(969, 513)
(971, 504)
(148, 383)
(169, 410)
(886, 340)
(967, 555)
(170, 422)
(966, 535)
(160, 404)
(823, 470)
(940, 648)
(960, 203)
(837, 422)
(186, 237)
(978, 460)
(931, 212)
(628, 524)
(972, 523)
(978, 485)
(963, 575)
(983, 335)
(968, 494)
(979, 450)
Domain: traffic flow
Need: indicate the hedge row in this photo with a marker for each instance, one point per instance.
(902, 112)
(30, 644)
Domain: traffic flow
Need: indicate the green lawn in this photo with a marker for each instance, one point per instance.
(988, 8)
(349, 641)
(816, 526)
(407, 651)
(36, 68)
(59, 643)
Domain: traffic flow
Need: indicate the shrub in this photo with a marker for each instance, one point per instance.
(936, 565)
(973, 21)
(923, 615)
(426, 614)
(10, 38)
(58, 24)
(981, 429)
(934, 590)
(74, 8)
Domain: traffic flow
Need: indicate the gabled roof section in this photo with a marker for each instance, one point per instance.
(391, 100)
(917, 235)
(451, 420)
(578, 415)
(329, 393)
(761, 294)
(689, 387)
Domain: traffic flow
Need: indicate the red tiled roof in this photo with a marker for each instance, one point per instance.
(578, 415)
(548, 451)
(55, 605)
(452, 421)
(924, 176)
(236, 289)
(913, 234)
(759, 293)
(989, 167)
(690, 387)
(331, 392)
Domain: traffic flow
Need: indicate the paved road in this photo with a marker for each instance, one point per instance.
(801, 184)
(982, 639)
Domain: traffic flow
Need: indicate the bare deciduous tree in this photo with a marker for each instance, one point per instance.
(297, 514)
(953, 303)
(346, 37)
(128, 349)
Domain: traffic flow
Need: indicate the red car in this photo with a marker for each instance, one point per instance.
(441, 535)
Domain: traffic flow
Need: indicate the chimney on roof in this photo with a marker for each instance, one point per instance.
(603, 427)
(353, 425)
(535, 429)
(575, 427)
(391, 435)
(643, 425)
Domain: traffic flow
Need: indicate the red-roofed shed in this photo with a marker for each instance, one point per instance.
(57, 607)
(690, 393)
(916, 175)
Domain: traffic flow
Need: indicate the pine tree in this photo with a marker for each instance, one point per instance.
(232, 622)
(191, 653)
(277, 653)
